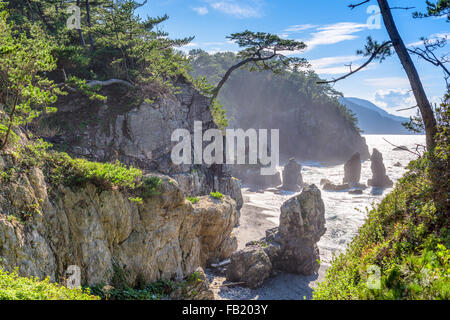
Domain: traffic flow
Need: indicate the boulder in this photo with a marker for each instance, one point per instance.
(195, 287)
(352, 169)
(291, 247)
(302, 224)
(379, 177)
(357, 191)
(397, 164)
(292, 176)
(335, 187)
(250, 265)
(324, 181)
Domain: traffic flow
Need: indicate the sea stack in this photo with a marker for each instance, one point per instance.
(352, 170)
(292, 176)
(379, 177)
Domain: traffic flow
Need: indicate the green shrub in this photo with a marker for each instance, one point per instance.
(13, 287)
(150, 186)
(193, 200)
(216, 195)
(406, 237)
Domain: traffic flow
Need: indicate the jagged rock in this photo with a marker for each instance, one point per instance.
(379, 177)
(195, 287)
(292, 176)
(302, 224)
(98, 230)
(352, 169)
(250, 265)
(335, 187)
(291, 247)
(356, 192)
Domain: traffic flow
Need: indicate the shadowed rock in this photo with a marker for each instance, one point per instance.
(250, 265)
(335, 187)
(292, 176)
(379, 177)
(352, 169)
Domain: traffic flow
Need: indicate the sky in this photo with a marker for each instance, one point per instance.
(332, 31)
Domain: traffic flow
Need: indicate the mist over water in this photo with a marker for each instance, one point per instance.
(344, 212)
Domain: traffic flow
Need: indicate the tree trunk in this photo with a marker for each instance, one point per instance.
(88, 15)
(416, 84)
(80, 32)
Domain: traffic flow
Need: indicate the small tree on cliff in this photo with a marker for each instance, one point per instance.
(24, 92)
(376, 51)
(262, 51)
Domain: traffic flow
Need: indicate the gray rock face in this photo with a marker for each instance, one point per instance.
(140, 135)
(292, 176)
(352, 169)
(291, 247)
(379, 177)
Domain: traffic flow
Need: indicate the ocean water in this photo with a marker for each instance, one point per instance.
(344, 213)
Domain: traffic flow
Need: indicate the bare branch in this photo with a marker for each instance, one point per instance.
(401, 148)
(353, 6)
(373, 56)
(109, 82)
(402, 8)
(409, 108)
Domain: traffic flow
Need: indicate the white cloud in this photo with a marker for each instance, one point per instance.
(434, 36)
(201, 10)
(239, 9)
(335, 33)
(395, 99)
(388, 82)
(334, 65)
(299, 27)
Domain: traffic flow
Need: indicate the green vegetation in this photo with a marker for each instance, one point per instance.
(13, 287)
(193, 200)
(216, 195)
(24, 92)
(406, 236)
(142, 291)
(153, 291)
(60, 168)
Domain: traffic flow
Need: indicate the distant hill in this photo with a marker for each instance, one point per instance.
(373, 119)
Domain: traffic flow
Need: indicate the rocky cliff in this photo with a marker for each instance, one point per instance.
(139, 133)
(47, 227)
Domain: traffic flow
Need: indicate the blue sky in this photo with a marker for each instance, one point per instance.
(331, 30)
